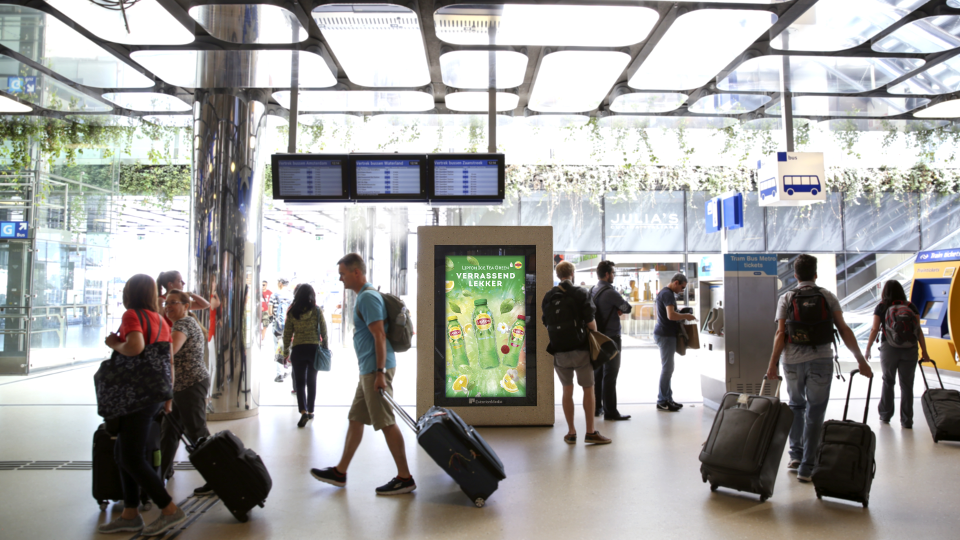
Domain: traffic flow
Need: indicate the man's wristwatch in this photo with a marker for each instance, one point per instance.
(382, 370)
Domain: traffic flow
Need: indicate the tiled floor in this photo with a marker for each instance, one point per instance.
(645, 485)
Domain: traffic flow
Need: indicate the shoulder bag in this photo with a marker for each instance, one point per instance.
(323, 360)
(126, 384)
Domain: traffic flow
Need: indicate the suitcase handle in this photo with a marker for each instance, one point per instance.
(924, 375)
(399, 410)
(763, 386)
(191, 446)
(846, 405)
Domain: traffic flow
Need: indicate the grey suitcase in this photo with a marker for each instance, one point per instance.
(941, 408)
(746, 442)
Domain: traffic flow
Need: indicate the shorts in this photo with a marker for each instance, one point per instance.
(568, 363)
(265, 320)
(369, 407)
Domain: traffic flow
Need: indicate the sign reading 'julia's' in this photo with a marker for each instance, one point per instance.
(791, 179)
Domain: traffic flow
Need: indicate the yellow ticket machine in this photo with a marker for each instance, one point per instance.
(936, 293)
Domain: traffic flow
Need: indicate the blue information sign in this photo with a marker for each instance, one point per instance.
(938, 255)
(14, 229)
(733, 211)
(714, 215)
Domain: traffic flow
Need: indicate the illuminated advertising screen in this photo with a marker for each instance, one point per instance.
(484, 320)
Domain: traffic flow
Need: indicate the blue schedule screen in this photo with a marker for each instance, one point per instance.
(463, 177)
(310, 178)
(388, 177)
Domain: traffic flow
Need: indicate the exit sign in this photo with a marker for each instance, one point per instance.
(319, 237)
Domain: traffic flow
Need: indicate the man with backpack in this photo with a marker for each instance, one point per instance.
(567, 312)
(610, 305)
(806, 317)
(378, 363)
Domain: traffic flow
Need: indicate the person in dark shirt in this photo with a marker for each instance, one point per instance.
(610, 305)
(665, 334)
(568, 362)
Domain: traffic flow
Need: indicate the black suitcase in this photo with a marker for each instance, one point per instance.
(235, 473)
(107, 485)
(941, 407)
(458, 449)
(746, 442)
(845, 458)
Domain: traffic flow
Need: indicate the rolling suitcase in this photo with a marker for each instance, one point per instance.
(235, 473)
(458, 449)
(941, 407)
(107, 485)
(845, 458)
(746, 442)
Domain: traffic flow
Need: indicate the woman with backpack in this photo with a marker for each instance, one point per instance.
(899, 322)
(303, 331)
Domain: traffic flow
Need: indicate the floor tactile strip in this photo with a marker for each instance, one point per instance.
(70, 466)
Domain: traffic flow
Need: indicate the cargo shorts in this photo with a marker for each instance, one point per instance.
(568, 363)
(369, 407)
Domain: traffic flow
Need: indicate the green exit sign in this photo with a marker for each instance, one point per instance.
(319, 237)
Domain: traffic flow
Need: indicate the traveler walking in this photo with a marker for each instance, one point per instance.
(806, 317)
(192, 381)
(898, 320)
(301, 339)
(279, 302)
(377, 364)
(665, 334)
(140, 299)
(568, 312)
(609, 305)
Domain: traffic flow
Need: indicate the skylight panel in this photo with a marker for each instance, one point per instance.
(470, 69)
(728, 104)
(249, 23)
(8, 105)
(359, 101)
(377, 45)
(149, 22)
(697, 46)
(542, 25)
(836, 25)
(850, 106)
(928, 35)
(942, 78)
(236, 69)
(821, 74)
(944, 109)
(644, 102)
(629, 121)
(47, 92)
(480, 101)
(147, 101)
(575, 81)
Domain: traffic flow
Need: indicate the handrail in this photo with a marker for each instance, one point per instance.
(57, 178)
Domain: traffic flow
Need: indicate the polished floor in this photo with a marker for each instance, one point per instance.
(644, 485)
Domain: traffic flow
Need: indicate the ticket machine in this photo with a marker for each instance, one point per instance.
(936, 294)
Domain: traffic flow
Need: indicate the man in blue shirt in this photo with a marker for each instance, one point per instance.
(665, 334)
(377, 365)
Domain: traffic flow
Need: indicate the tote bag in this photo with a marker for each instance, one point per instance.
(323, 360)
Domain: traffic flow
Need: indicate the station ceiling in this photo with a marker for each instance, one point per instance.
(632, 64)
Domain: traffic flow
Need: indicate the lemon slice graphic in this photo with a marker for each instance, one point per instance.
(468, 328)
(448, 286)
(508, 385)
(460, 383)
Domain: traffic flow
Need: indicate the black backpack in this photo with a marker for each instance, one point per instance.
(565, 325)
(809, 319)
(901, 325)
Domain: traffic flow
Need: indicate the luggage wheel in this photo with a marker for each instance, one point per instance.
(479, 502)
(763, 498)
(242, 517)
(714, 487)
(104, 505)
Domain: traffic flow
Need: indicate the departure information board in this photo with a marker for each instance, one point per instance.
(310, 178)
(462, 177)
(388, 177)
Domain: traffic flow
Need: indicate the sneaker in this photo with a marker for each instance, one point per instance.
(596, 438)
(907, 426)
(677, 405)
(164, 523)
(397, 486)
(570, 438)
(793, 465)
(203, 490)
(120, 525)
(304, 418)
(279, 378)
(669, 407)
(330, 475)
(804, 478)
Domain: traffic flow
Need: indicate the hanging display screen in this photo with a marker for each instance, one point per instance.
(484, 320)
(388, 177)
(308, 177)
(467, 176)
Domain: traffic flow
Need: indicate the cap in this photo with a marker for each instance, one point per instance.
(521, 318)
(480, 302)
(452, 318)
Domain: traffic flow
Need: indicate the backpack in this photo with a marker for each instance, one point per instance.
(809, 319)
(900, 325)
(399, 324)
(561, 316)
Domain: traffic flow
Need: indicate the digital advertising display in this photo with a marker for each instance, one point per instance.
(308, 177)
(486, 311)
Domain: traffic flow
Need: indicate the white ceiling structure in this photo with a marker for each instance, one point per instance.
(896, 59)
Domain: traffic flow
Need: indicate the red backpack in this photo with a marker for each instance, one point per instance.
(901, 324)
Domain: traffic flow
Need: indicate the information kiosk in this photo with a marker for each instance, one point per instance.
(736, 313)
(482, 346)
(936, 294)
